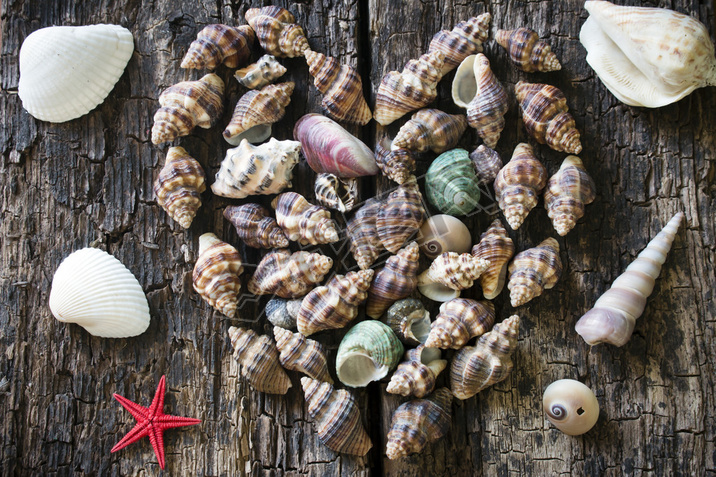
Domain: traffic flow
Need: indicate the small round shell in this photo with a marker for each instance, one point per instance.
(443, 233)
(487, 163)
(409, 320)
(451, 183)
(571, 406)
(367, 353)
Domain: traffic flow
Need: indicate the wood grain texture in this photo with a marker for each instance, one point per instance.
(89, 181)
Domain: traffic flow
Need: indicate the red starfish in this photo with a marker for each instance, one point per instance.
(151, 422)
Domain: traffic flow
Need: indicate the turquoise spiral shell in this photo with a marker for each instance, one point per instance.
(451, 183)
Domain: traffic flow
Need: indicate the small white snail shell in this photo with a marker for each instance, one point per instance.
(570, 406)
(443, 233)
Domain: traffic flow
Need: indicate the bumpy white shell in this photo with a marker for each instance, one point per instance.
(65, 72)
(94, 290)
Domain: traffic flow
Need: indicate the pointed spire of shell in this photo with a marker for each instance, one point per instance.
(400, 216)
(216, 274)
(465, 39)
(303, 222)
(527, 51)
(363, 235)
(518, 185)
(430, 129)
(256, 111)
(289, 275)
(179, 185)
(496, 247)
(534, 270)
(417, 374)
(396, 280)
(217, 44)
(257, 75)
(276, 31)
(460, 320)
(395, 164)
(567, 193)
(298, 353)
(255, 226)
(258, 357)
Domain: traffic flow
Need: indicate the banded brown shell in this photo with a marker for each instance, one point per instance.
(276, 31)
(336, 193)
(363, 235)
(179, 186)
(303, 222)
(527, 51)
(216, 274)
(396, 280)
(216, 44)
(496, 247)
(460, 320)
(255, 226)
(487, 163)
(400, 216)
(465, 39)
(289, 275)
(567, 193)
(534, 270)
(518, 185)
(258, 357)
(397, 165)
(257, 75)
(417, 374)
(430, 129)
(256, 111)
(409, 321)
(449, 274)
(298, 353)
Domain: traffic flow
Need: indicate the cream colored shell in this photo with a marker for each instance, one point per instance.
(570, 406)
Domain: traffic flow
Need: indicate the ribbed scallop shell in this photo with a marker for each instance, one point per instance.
(289, 275)
(257, 75)
(363, 235)
(303, 222)
(487, 164)
(256, 111)
(443, 233)
(417, 374)
(216, 274)
(256, 170)
(396, 280)
(94, 290)
(465, 39)
(367, 353)
(411, 89)
(518, 185)
(475, 368)
(546, 117)
(255, 226)
(298, 353)
(527, 51)
(400, 216)
(533, 271)
(342, 89)
(336, 193)
(409, 321)
(430, 129)
(476, 89)
(571, 406)
(451, 183)
(335, 305)
(449, 274)
(397, 165)
(259, 362)
(186, 105)
(282, 312)
(65, 72)
(336, 418)
(460, 320)
(179, 186)
(217, 44)
(276, 32)
(497, 248)
(567, 193)
(416, 423)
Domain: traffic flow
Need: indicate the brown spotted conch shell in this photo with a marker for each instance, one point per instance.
(465, 39)
(336, 193)
(430, 129)
(303, 222)
(216, 274)
(289, 275)
(217, 44)
(400, 216)
(417, 374)
(395, 164)
(259, 361)
(567, 193)
(496, 247)
(460, 320)
(363, 235)
(527, 51)
(256, 111)
(533, 271)
(179, 186)
(255, 226)
(519, 184)
(396, 280)
(276, 31)
(299, 353)
(449, 274)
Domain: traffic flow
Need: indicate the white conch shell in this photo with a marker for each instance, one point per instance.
(94, 290)
(647, 56)
(65, 72)
(614, 314)
(571, 406)
(253, 170)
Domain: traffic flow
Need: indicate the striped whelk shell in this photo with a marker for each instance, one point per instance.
(417, 374)
(367, 353)
(518, 185)
(496, 247)
(336, 193)
(534, 270)
(65, 72)
(259, 361)
(216, 274)
(400, 216)
(465, 39)
(94, 290)
(443, 233)
(409, 320)
(449, 274)
(430, 129)
(395, 281)
(527, 51)
(567, 193)
(255, 226)
(460, 320)
(363, 235)
(217, 44)
(289, 275)
(487, 163)
(276, 31)
(282, 312)
(303, 222)
(179, 186)
(256, 111)
(571, 406)
(256, 170)
(395, 164)
(257, 75)
(298, 353)
(451, 183)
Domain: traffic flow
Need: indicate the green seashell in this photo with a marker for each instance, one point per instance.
(452, 184)
(368, 351)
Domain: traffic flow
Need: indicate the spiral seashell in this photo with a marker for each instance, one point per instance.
(258, 357)
(257, 75)
(397, 165)
(449, 274)
(330, 148)
(335, 193)
(276, 31)
(256, 170)
(400, 216)
(518, 185)
(396, 280)
(417, 374)
(256, 111)
(487, 164)
(336, 418)
(363, 235)
(527, 51)
(409, 321)
(533, 271)
(476, 89)
(571, 406)
(497, 248)
(186, 105)
(546, 117)
(417, 422)
(568, 191)
(411, 89)
(465, 39)
(460, 320)
(298, 353)
(430, 129)
(255, 227)
(282, 312)
(342, 89)
(96, 291)
(179, 185)
(451, 183)
(647, 56)
(614, 315)
(367, 353)
(335, 305)
(216, 274)
(217, 44)
(475, 368)
(443, 233)
(303, 222)
(288, 275)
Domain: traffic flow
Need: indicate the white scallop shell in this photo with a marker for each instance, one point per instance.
(65, 72)
(94, 290)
